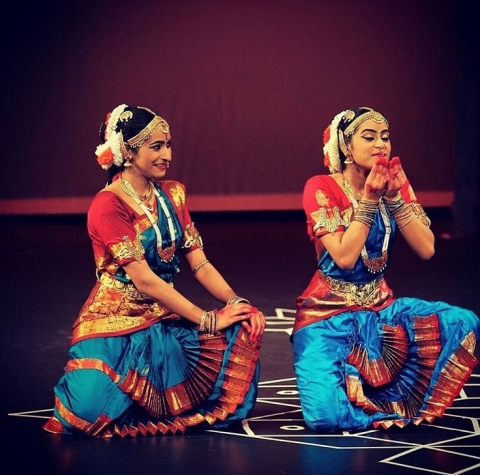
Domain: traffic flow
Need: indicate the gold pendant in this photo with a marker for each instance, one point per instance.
(376, 264)
(166, 254)
(148, 206)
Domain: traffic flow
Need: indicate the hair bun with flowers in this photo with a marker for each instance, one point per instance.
(331, 146)
(110, 152)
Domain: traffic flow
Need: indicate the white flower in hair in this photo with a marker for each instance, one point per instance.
(110, 152)
(331, 146)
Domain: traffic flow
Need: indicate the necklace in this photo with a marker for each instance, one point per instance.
(166, 254)
(373, 264)
(349, 189)
(129, 190)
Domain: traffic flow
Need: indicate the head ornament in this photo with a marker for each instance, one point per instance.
(343, 126)
(114, 150)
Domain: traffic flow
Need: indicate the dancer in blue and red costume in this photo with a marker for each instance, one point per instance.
(362, 357)
(144, 359)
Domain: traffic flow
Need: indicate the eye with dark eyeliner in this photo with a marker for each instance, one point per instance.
(369, 138)
(158, 145)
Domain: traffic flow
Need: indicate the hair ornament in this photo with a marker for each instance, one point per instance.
(330, 148)
(344, 125)
(125, 116)
(349, 115)
(110, 152)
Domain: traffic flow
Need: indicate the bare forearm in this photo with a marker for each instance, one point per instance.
(157, 289)
(345, 248)
(414, 226)
(172, 299)
(419, 237)
(214, 283)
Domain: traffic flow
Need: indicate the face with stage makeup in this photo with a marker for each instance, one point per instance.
(153, 157)
(369, 142)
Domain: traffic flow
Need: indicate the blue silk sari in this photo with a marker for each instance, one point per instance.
(135, 368)
(362, 357)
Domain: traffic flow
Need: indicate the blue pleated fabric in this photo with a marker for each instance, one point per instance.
(134, 368)
(436, 337)
(362, 357)
(121, 385)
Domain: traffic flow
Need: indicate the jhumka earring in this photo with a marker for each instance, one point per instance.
(348, 160)
(128, 162)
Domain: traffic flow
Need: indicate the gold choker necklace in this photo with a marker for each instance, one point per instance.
(130, 191)
(349, 190)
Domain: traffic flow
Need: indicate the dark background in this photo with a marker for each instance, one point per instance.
(247, 86)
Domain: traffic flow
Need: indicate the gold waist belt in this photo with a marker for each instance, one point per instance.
(361, 294)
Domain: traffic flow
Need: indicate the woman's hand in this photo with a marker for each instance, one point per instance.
(397, 177)
(252, 319)
(377, 180)
(255, 325)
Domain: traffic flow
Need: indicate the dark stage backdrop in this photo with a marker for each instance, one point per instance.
(247, 86)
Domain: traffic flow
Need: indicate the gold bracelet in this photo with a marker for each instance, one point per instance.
(237, 299)
(396, 197)
(195, 269)
(408, 218)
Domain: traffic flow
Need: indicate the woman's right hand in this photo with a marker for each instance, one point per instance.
(242, 312)
(377, 180)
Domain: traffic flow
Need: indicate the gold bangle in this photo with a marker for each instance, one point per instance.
(409, 220)
(396, 197)
(237, 299)
(195, 269)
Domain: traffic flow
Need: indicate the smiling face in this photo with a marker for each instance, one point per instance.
(370, 141)
(154, 156)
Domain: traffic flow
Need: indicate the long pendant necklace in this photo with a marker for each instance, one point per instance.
(166, 254)
(373, 264)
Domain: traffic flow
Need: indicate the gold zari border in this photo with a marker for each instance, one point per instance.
(192, 237)
(115, 308)
(128, 249)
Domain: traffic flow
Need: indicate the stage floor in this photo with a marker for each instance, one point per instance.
(267, 258)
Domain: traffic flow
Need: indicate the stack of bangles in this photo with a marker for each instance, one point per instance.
(400, 211)
(365, 212)
(208, 322)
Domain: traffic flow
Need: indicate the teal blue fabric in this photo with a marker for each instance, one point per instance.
(321, 349)
(167, 354)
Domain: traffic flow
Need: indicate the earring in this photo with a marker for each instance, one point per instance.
(128, 162)
(348, 160)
